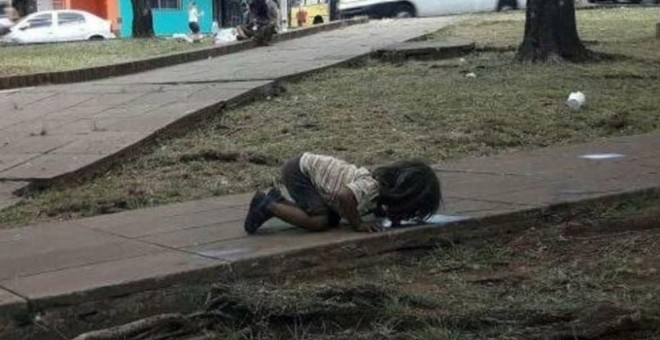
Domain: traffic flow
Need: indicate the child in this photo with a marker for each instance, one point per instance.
(324, 189)
(261, 22)
(193, 20)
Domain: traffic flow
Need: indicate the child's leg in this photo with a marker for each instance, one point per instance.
(308, 209)
(292, 214)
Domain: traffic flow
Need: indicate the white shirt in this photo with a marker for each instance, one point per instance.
(193, 15)
(329, 175)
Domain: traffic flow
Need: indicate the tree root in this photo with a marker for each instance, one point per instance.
(149, 328)
(330, 311)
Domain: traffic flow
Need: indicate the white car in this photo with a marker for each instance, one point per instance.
(56, 26)
(421, 8)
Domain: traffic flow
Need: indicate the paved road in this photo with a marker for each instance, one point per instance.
(52, 131)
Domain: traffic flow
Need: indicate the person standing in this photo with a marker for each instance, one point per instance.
(301, 16)
(193, 20)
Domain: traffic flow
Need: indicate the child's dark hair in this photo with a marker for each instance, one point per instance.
(410, 190)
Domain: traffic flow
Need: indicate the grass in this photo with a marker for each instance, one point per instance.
(625, 30)
(18, 59)
(544, 283)
(381, 112)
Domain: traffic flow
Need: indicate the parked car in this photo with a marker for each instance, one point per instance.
(5, 24)
(421, 8)
(60, 25)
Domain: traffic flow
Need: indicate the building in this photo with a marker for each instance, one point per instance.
(169, 16)
(106, 9)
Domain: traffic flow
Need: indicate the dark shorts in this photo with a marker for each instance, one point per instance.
(194, 27)
(304, 194)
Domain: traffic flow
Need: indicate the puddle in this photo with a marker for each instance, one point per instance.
(437, 219)
(598, 156)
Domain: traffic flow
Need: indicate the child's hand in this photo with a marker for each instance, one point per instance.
(369, 228)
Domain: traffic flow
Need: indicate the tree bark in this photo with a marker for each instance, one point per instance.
(142, 19)
(551, 33)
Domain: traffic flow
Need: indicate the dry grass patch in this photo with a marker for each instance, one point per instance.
(18, 59)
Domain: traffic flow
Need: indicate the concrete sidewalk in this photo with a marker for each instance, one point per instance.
(75, 262)
(61, 131)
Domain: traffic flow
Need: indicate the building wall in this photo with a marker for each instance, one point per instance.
(97, 7)
(167, 21)
(47, 5)
(106, 9)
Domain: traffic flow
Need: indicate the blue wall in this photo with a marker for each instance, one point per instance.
(168, 21)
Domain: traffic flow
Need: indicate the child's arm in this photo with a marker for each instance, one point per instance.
(349, 210)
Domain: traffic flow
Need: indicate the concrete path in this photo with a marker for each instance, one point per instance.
(57, 131)
(112, 255)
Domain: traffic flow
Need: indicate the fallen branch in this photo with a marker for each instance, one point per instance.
(134, 328)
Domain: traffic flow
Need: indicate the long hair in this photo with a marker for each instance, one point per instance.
(409, 190)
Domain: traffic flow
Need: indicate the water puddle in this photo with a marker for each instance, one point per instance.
(437, 219)
(599, 156)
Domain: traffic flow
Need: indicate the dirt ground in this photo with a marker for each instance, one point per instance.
(593, 278)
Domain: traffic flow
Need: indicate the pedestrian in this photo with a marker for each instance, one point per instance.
(193, 20)
(245, 13)
(317, 191)
(261, 23)
(274, 14)
(301, 16)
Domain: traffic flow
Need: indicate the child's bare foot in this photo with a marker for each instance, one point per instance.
(258, 213)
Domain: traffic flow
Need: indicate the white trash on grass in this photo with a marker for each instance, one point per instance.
(226, 35)
(576, 100)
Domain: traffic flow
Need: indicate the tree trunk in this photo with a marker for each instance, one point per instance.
(142, 19)
(551, 33)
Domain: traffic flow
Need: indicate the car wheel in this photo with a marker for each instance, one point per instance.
(404, 11)
(96, 38)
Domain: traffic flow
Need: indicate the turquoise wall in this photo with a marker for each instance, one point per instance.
(168, 21)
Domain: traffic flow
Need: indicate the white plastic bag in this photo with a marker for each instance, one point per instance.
(226, 35)
(576, 100)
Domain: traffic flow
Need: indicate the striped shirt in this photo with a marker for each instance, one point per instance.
(329, 175)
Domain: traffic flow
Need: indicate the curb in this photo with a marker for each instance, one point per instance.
(100, 307)
(142, 65)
